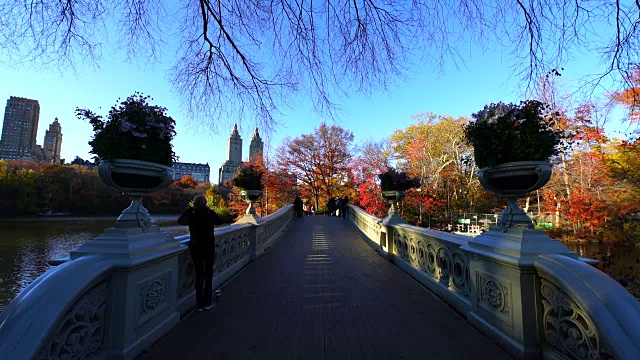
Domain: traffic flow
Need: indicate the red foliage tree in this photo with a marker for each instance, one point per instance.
(373, 159)
(587, 211)
(319, 161)
(279, 190)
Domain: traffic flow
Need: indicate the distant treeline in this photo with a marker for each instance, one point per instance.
(28, 188)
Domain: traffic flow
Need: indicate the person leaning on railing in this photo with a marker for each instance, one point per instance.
(201, 221)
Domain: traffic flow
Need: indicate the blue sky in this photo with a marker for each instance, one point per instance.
(485, 78)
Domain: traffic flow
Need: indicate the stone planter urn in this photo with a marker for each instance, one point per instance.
(511, 181)
(136, 178)
(251, 196)
(393, 197)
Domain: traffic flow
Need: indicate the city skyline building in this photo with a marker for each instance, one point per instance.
(234, 153)
(199, 172)
(20, 129)
(52, 142)
(234, 156)
(256, 146)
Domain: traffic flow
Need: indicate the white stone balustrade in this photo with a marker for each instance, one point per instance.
(535, 301)
(529, 293)
(122, 291)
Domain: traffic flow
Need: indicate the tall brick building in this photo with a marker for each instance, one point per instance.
(20, 128)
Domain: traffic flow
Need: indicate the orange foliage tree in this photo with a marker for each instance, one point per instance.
(319, 161)
(187, 181)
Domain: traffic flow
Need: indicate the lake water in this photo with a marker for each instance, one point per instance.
(620, 262)
(27, 244)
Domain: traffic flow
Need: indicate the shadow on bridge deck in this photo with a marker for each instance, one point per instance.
(322, 293)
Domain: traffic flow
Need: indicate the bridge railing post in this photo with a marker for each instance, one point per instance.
(506, 284)
(143, 279)
(386, 241)
(387, 225)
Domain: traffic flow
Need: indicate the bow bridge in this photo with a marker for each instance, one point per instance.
(323, 287)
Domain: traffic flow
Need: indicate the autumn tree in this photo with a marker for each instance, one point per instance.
(621, 163)
(434, 149)
(217, 202)
(279, 190)
(372, 158)
(252, 57)
(319, 161)
(187, 181)
(630, 96)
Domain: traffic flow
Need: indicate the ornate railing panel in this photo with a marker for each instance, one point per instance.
(232, 247)
(437, 255)
(585, 313)
(54, 318)
(80, 333)
(186, 274)
(434, 257)
(272, 227)
(368, 224)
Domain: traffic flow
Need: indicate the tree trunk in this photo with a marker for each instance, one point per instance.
(565, 176)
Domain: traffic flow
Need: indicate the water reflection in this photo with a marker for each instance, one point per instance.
(620, 262)
(26, 245)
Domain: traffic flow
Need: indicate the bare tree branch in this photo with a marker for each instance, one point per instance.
(245, 60)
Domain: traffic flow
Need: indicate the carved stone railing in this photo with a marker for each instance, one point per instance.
(433, 258)
(585, 315)
(63, 314)
(534, 298)
(368, 224)
(122, 291)
(436, 258)
(271, 228)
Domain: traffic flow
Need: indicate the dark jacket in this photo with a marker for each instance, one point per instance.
(201, 223)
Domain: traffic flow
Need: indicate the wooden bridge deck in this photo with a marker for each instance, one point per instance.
(322, 293)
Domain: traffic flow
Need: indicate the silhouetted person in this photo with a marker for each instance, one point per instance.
(343, 207)
(201, 221)
(297, 205)
(331, 207)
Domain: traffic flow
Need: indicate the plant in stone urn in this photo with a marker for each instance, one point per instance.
(134, 151)
(512, 145)
(393, 184)
(248, 179)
